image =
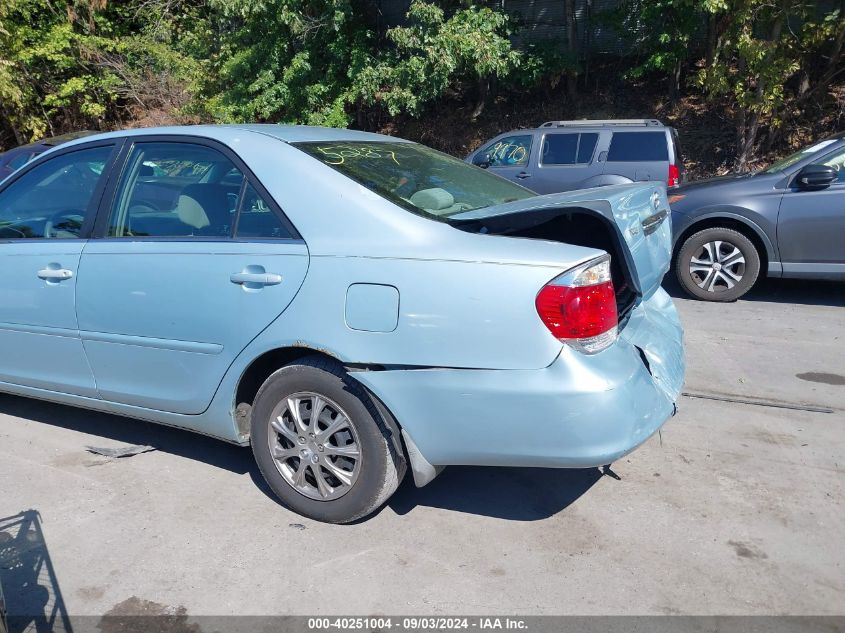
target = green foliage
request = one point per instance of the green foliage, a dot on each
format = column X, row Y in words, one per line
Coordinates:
column 543, row 64
column 101, row 63
column 434, row 53
column 286, row 60
column 75, row 67
column 659, row 30
column 756, row 57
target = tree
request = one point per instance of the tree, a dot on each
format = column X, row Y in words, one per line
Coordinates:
column 435, row 53
column 756, row 56
column 662, row 34
column 82, row 66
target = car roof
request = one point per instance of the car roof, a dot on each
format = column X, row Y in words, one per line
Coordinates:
column 229, row 133
column 608, row 123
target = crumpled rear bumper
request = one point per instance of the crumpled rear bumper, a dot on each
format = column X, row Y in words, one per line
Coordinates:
column 581, row 411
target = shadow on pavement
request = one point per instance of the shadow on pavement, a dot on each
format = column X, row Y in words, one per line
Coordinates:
column 33, row 599
column 519, row 494
column 515, row 494
column 171, row 440
column 797, row 291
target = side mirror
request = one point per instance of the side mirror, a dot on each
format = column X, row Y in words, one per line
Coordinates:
column 816, row 177
column 483, row 160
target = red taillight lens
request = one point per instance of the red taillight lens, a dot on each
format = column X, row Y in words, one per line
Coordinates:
column 579, row 308
column 674, row 176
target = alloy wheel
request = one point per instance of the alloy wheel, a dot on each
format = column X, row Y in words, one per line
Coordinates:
column 314, row 446
column 718, row 266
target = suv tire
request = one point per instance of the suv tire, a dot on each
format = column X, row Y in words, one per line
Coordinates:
column 717, row 264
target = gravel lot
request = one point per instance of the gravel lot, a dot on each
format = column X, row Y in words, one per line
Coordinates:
column 739, row 510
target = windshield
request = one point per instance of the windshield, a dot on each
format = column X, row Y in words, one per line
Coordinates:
column 416, row 177
column 783, row 163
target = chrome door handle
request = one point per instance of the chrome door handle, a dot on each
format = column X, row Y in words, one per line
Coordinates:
column 257, row 279
column 523, row 174
column 55, row 274
column 652, row 222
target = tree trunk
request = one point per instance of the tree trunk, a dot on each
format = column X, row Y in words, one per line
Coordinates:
column 483, row 91
column 20, row 139
column 710, row 55
column 832, row 68
column 746, row 149
column 572, row 46
column 750, row 127
column 675, row 82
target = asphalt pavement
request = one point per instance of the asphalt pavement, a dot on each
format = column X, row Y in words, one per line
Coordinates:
column 734, row 509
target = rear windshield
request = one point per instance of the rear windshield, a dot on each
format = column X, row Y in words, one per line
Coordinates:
column 415, row 177
column 626, row 147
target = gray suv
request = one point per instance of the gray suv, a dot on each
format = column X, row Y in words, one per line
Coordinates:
column 565, row 155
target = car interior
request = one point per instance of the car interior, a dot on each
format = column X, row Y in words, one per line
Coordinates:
column 179, row 191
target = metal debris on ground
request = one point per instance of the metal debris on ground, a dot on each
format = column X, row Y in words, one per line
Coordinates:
column 296, row 526
column 120, row 451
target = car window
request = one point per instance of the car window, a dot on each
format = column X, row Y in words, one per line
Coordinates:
column 176, row 190
column 508, row 151
column 53, row 199
column 257, row 219
column 20, row 160
column 569, row 148
column 801, row 154
column 415, row 177
column 628, row 147
column 837, row 161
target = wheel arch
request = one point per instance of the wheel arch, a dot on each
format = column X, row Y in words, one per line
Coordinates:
column 257, row 372
column 738, row 223
column 263, row 366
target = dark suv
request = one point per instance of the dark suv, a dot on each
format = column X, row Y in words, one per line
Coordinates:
column 565, row 155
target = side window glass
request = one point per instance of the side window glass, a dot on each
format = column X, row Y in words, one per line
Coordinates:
column 837, row 161
column 176, row 190
column 560, row 149
column 628, row 147
column 257, row 219
column 509, row 151
column 569, row 149
column 20, row 160
column 53, row 199
column 586, row 147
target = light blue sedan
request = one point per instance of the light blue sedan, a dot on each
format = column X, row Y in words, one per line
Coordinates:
column 347, row 303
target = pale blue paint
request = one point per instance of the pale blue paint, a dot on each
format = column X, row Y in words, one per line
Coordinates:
column 164, row 335
column 372, row 307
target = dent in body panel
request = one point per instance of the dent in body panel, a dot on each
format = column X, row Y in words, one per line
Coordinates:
column 580, row 411
column 454, row 314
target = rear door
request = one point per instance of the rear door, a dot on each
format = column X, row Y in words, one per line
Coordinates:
column 178, row 285
column 566, row 160
column 46, row 214
column 640, row 156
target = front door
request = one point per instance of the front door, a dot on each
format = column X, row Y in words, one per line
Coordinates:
column 195, row 261
column 45, row 214
column 509, row 157
column 811, row 227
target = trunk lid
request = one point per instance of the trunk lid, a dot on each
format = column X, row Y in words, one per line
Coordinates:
column 638, row 213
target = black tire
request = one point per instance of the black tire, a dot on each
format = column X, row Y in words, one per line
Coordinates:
column 700, row 245
column 380, row 468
